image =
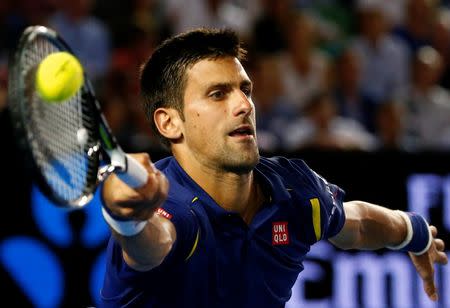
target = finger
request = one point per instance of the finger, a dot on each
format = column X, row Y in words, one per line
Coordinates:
column 123, row 191
column 425, row 269
column 150, row 188
column 145, row 161
column 430, row 288
column 162, row 189
column 120, row 192
column 136, row 199
column 156, row 189
column 440, row 245
column 427, row 274
column 142, row 158
column 433, row 231
column 441, row 258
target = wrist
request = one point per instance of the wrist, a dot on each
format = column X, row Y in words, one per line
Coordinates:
column 418, row 234
column 121, row 225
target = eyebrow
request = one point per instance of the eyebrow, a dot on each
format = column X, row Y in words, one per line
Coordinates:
column 228, row 85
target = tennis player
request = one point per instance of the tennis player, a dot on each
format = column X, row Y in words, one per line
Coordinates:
column 232, row 228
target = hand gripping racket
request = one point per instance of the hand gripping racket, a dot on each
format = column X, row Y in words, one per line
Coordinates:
column 69, row 144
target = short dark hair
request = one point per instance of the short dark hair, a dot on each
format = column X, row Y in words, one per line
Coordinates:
column 163, row 75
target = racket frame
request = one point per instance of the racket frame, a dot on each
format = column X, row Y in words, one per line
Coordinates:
column 106, row 145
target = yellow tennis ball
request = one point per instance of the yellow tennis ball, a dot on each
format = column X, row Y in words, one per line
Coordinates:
column 58, row 77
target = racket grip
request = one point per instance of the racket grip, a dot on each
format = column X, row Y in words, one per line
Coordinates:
column 136, row 175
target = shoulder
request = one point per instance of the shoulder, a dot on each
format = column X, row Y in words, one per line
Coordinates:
column 296, row 174
column 179, row 192
column 311, row 194
column 292, row 170
column 278, row 163
column 284, row 165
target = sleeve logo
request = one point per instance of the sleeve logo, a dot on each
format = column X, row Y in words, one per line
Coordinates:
column 163, row 213
column 280, row 234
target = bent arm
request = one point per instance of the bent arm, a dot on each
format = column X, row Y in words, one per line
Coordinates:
column 149, row 246
column 369, row 226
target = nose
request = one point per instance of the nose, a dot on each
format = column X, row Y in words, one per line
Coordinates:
column 244, row 105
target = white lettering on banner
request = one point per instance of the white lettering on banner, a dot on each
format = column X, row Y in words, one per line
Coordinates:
column 369, row 271
column 312, row 272
column 426, row 191
column 372, row 271
column 445, row 296
column 446, row 205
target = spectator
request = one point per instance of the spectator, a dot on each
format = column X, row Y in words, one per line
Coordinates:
column 352, row 102
column 270, row 28
column 306, row 69
column 10, row 28
column 140, row 43
column 87, row 35
column 390, row 127
column 385, row 59
column 238, row 15
column 273, row 113
column 440, row 40
column 122, row 109
column 151, row 17
column 415, row 31
column 428, row 104
column 322, row 128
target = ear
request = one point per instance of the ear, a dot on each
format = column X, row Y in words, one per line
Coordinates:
column 168, row 122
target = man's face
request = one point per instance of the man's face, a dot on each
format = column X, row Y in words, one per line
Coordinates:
column 219, row 127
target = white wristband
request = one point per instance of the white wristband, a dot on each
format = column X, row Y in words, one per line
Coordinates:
column 409, row 232
column 125, row 228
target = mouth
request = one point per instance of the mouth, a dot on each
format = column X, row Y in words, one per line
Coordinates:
column 243, row 131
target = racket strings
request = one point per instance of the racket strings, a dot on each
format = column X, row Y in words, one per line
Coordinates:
column 59, row 133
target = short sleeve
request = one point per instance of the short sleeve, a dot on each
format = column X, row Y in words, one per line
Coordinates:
column 123, row 283
column 334, row 210
column 331, row 206
column 330, row 197
column 186, row 226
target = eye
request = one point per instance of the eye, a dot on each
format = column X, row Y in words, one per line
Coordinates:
column 247, row 90
column 217, row 94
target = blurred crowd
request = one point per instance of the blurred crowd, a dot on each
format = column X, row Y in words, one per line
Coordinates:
column 367, row 75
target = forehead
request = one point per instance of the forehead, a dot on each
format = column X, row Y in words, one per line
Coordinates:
column 225, row 69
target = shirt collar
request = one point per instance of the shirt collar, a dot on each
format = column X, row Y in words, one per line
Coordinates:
column 270, row 181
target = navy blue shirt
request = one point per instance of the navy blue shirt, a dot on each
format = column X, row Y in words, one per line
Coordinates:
column 220, row 261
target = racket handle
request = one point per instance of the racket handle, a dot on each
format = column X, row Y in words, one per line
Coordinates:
column 136, row 175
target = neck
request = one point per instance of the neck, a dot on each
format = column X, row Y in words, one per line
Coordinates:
column 233, row 192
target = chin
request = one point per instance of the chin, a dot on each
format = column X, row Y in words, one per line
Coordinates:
column 242, row 165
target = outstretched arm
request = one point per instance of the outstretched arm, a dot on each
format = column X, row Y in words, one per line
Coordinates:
column 369, row 226
column 154, row 235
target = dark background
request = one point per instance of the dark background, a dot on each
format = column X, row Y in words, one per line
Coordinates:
column 378, row 177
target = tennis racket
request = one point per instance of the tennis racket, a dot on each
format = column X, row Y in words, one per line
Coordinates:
column 69, row 144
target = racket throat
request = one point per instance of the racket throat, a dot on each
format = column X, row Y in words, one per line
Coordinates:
column 118, row 163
